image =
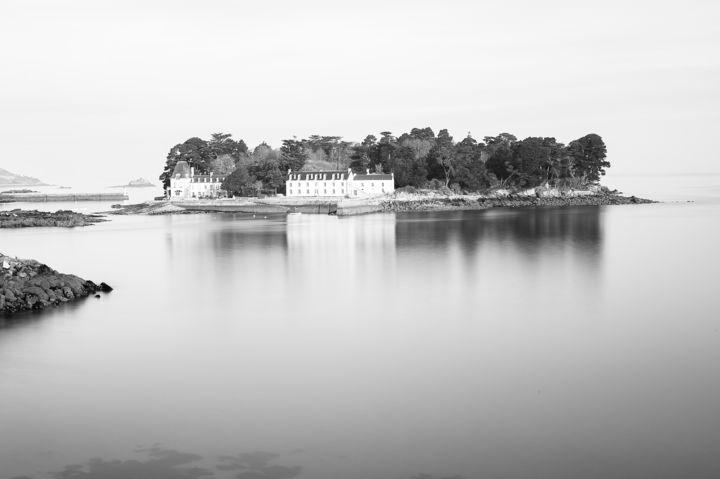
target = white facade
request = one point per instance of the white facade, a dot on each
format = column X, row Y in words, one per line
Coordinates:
column 338, row 184
column 186, row 185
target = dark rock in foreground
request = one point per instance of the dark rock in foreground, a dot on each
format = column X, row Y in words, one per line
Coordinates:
column 30, row 285
column 32, row 218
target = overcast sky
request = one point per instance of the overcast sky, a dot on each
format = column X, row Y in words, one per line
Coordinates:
column 100, row 91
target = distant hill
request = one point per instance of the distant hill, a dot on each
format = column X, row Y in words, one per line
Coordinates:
column 11, row 179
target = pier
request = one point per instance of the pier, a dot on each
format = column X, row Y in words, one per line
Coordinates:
column 46, row 197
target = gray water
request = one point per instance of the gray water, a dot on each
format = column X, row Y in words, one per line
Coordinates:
column 533, row 343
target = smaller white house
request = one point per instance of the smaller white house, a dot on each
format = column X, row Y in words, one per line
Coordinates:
column 186, row 185
column 372, row 184
column 338, row 183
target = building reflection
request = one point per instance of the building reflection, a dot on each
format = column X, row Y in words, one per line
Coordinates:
column 342, row 256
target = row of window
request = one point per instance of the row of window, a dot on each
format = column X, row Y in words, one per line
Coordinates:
column 307, row 192
column 307, row 184
column 208, row 180
column 319, row 176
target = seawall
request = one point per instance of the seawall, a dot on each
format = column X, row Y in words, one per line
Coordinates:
column 45, row 197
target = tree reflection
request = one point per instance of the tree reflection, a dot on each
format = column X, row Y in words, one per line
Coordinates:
column 529, row 230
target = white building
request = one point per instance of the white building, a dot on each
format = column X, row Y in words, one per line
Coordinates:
column 338, row 183
column 186, row 185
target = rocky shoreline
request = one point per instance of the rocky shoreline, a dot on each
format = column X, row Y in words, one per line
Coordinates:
column 33, row 218
column 400, row 201
column 28, row 285
column 439, row 203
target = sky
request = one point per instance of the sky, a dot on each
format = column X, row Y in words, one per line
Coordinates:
column 99, row 91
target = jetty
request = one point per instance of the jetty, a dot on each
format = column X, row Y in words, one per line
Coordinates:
column 46, row 197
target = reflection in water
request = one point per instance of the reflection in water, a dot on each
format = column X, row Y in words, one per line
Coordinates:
column 528, row 231
column 257, row 465
column 502, row 343
column 339, row 257
column 162, row 464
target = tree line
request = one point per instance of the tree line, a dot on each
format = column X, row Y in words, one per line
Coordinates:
column 419, row 158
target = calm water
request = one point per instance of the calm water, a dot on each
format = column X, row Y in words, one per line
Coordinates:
column 538, row 343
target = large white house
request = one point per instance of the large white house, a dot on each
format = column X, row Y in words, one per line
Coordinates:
column 338, row 183
column 186, row 185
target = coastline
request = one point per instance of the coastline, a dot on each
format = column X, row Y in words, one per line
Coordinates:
column 28, row 285
column 400, row 201
column 474, row 202
column 18, row 218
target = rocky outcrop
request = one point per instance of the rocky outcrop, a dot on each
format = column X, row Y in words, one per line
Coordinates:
column 63, row 218
column 30, row 285
column 508, row 199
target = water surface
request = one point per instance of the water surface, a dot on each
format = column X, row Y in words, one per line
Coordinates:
column 543, row 343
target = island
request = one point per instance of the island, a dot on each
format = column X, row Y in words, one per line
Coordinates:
column 138, row 183
column 417, row 170
column 18, row 218
column 27, row 285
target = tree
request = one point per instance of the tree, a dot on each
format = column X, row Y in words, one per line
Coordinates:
column 364, row 154
column 421, row 140
column 193, row 150
column 223, row 164
column 268, row 171
column 222, row 144
column 292, row 155
column 586, row 157
column 238, row 181
column 470, row 171
column 532, row 159
column 441, row 159
column 500, row 161
column 408, row 169
column 385, row 149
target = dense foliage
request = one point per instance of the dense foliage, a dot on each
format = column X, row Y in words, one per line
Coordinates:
column 419, row 158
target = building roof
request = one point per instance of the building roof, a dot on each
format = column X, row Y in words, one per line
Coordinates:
column 182, row 170
column 374, row 177
column 318, row 175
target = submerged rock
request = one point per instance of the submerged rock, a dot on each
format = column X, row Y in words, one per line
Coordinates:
column 30, row 285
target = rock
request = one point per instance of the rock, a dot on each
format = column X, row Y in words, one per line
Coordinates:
column 105, row 288
column 97, row 296
column 37, row 291
column 29, row 284
column 61, row 218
